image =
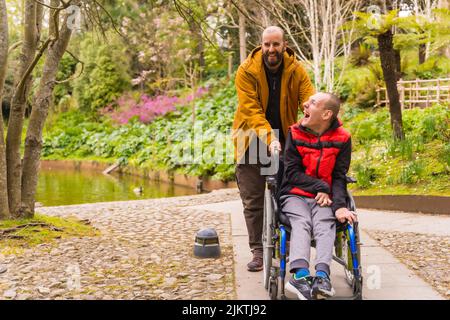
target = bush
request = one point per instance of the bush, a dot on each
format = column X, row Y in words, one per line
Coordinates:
column 156, row 145
column 412, row 172
column 365, row 175
column 105, row 74
column 360, row 56
column 359, row 86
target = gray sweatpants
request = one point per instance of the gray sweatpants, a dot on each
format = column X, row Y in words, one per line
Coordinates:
column 309, row 221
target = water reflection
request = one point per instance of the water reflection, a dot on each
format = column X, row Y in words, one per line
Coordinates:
column 64, row 187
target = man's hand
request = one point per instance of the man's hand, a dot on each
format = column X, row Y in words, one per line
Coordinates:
column 323, row 199
column 275, row 144
column 343, row 214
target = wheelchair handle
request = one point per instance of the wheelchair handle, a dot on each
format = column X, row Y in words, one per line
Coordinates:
column 276, row 154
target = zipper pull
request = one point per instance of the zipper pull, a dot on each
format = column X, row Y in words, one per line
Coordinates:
column 274, row 82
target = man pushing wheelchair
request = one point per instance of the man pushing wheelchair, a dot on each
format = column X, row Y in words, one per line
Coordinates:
column 271, row 85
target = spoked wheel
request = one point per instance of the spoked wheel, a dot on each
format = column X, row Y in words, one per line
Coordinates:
column 267, row 238
column 354, row 282
column 347, row 257
column 357, row 288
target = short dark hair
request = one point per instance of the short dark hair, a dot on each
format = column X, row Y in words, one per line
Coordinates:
column 333, row 104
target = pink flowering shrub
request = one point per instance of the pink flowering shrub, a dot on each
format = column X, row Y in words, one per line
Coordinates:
column 146, row 108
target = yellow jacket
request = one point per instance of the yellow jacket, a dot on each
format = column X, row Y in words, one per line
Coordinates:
column 253, row 95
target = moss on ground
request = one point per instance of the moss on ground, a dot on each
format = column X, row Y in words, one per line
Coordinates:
column 39, row 230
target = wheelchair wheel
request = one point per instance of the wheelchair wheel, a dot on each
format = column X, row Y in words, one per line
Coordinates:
column 273, row 288
column 347, row 257
column 353, row 282
column 267, row 238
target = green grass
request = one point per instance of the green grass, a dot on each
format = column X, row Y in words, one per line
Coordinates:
column 420, row 164
column 34, row 235
column 433, row 187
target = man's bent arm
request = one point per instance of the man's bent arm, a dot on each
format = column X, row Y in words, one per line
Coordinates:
column 250, row 108
column 339, row 185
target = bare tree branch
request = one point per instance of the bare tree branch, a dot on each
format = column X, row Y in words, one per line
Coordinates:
column 74, row 76
column 14, row 46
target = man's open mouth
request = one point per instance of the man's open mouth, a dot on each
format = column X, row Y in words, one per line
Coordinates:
column 306, row 114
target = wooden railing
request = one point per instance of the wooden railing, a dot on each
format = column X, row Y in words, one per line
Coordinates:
column 418, row 93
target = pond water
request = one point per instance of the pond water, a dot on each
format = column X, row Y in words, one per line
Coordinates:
column 63, row 187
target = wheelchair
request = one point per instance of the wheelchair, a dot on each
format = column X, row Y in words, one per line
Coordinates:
column 276, row 231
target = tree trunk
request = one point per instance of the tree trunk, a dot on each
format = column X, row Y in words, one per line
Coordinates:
column 201, row 55
column 422, row 52
column 230, row 57
column 18, row 104
column 388, row 64
column 445, row 4
column 33, row 141
column 196, row 32
column 242, row 40
column 4, row 207
column 398, row 64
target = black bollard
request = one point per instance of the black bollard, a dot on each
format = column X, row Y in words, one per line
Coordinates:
column 207, row 244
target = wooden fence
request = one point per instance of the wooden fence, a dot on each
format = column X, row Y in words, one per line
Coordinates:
column 418, row 93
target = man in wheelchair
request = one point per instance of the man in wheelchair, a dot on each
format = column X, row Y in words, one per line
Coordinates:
column 313, row 192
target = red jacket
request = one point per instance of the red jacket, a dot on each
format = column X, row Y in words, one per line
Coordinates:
column 315, row 164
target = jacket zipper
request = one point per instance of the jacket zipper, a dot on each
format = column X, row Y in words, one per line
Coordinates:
column 320, row 157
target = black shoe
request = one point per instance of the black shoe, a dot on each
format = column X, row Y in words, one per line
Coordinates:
column 322, row 288
column 301, row 287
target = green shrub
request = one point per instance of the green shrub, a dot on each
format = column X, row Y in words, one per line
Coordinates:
column 105, row 74
column 412, row 172
column 445, row 155
column 365, row 175
column 361, row 56
column 400, row 148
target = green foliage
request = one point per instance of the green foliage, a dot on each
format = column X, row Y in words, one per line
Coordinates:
column 166, row 143
column 66, row 69
column 360, row 56
column 420, row 161
column 365, row 175
column 373, row 127
column 412, row 172
column 42, row 229
column 105, row 74
column 375, row 24
column 444, row 155
column 432, row 68
column 359, row 84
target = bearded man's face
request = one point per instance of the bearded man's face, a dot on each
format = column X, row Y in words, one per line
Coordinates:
column 273, row 48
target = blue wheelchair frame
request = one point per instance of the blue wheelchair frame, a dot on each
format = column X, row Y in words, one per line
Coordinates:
column 277, row 245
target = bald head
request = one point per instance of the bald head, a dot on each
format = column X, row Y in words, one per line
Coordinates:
column 273, row 29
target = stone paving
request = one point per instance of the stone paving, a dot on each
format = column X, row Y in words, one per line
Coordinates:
column 145, row 251
column 426, row 254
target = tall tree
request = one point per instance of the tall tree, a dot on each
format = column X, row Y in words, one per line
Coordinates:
column 242, row 40
column 4, row 205
column 389, row 66
column 380, row 26
column 43, row 98
column 33, row 12
column 18, row 178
